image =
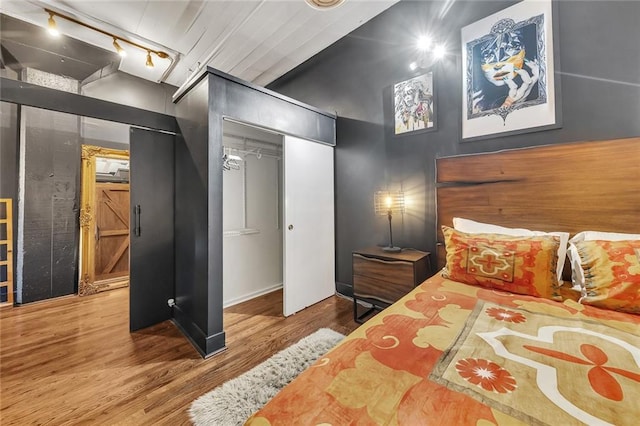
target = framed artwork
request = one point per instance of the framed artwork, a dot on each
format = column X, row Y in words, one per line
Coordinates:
column 508, row 72
column 414, row 105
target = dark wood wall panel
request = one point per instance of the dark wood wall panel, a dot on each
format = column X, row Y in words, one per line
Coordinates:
column 568, row 187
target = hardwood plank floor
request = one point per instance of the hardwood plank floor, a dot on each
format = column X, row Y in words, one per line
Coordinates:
column 72, row 360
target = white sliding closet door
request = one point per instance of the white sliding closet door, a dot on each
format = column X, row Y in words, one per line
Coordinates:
column 309, row 245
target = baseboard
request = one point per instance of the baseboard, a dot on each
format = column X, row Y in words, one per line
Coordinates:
column 249, row 296
column 205, row 345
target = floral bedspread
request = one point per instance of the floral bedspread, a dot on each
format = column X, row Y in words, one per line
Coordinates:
column 454, row 354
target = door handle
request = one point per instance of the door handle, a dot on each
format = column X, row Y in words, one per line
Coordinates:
column 137, row 230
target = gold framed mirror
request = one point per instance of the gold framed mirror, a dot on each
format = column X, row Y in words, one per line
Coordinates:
column 104, row 225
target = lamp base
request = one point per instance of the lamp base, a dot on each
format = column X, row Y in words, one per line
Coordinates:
column 390, row 249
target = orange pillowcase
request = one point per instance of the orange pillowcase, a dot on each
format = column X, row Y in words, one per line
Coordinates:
column 612, row 274
column 524, row 265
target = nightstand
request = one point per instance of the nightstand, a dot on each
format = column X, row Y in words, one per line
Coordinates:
column 380, row 278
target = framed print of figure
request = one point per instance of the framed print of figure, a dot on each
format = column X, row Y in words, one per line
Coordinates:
column 508, row 72
column 414, row 105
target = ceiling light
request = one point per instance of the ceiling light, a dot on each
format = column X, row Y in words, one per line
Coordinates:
column 413, row 66
column 119, row 48
column 424, row 43
column 324, row 4
column 53, row 27
column 149, row 63
column 439, row 51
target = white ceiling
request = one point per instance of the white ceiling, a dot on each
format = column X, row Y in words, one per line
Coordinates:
column 255, row 40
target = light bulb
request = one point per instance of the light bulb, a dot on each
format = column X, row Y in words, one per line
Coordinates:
column 439, row 51
column 53, row 28
column 119, row 48
column 424, row 43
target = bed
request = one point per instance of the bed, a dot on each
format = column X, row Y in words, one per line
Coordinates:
column 524, row 344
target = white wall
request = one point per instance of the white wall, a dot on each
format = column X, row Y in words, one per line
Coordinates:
column 252, row 254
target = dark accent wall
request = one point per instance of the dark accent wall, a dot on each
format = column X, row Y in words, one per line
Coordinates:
column 199, row 113
column 600, row 84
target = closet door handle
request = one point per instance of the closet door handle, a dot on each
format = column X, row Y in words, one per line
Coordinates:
column 137, row 230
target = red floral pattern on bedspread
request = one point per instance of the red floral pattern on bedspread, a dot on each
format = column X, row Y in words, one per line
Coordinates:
column 506, row 315
column 486, row 374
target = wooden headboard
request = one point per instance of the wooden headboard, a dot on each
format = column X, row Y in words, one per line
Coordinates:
column 567, row 187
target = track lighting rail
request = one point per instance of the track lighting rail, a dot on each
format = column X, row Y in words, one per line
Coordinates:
column 116, row 38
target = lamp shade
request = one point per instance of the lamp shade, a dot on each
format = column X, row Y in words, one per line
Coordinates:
column 388, row 201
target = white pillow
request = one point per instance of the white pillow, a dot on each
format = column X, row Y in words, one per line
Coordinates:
column 472, row 227
column 577, row 273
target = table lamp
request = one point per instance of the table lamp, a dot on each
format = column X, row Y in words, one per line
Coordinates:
column 387, row 203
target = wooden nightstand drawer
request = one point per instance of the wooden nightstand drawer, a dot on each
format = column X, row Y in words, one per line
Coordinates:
column 393, row 271
column 382, row 277
column 384, row 291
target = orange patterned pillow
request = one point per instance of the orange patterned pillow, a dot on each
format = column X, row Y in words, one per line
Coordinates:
column 524, row 265
column 612, row 274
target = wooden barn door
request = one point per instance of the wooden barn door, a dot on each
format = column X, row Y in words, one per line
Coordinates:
column 112, row 233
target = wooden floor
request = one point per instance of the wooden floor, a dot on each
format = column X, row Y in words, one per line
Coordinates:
column 72, row 360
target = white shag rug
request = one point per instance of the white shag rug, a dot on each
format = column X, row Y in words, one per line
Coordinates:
column 235, row 401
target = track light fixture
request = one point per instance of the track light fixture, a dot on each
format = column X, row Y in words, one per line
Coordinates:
column 53, row 27
column 149, row 63
column 119, row 48
column 53, row 30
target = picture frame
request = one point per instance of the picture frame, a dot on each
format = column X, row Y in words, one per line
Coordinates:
column 508, row 81
column 415, row 104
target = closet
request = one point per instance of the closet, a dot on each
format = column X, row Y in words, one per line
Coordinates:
column 205, row 106
column 270, row 180
column 252, row 207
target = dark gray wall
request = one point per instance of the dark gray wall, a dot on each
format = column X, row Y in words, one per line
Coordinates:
column 598, row 70
column 200, row 112
column 191, row 221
